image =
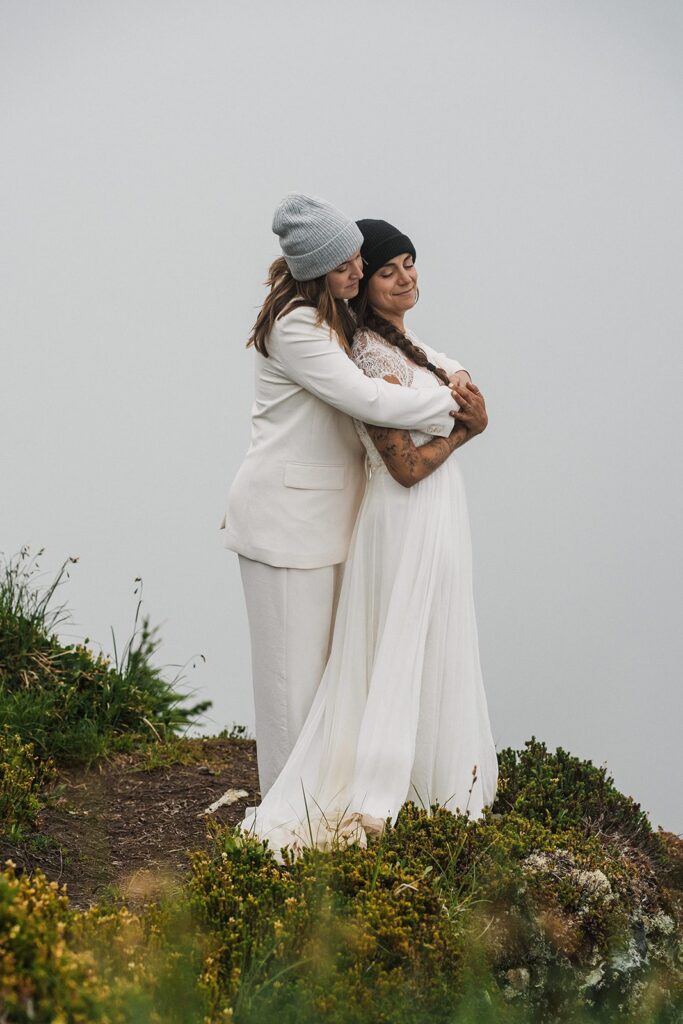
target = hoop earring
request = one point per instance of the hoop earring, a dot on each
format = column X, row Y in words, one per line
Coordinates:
column 417, row 296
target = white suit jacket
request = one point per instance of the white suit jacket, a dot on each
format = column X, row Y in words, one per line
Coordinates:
column 296, row 495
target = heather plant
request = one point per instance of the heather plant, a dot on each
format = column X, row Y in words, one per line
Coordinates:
column 69, row 702
column 102, row 965
column 23, row 780
column 340, row 936
column 39, row 971
column 442, row 919
column 561, row 791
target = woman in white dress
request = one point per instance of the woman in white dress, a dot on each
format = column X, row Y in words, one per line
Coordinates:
column 401, row 712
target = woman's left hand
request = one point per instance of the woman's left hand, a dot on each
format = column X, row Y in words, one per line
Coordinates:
column 472, row 412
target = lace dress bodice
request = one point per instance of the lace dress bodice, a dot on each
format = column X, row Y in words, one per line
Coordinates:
column 379, row 358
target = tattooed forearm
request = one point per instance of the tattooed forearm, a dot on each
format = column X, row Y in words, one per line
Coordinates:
column 407, row 462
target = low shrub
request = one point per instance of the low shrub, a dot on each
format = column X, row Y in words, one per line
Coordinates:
column 23, row 780
column 109, row 966
column 340, row 937
column 442, row 919
column 40, row 974
column 562, row 791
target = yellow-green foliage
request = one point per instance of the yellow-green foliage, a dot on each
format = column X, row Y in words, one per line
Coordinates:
column 333, row 932
column 515, row 918
column 22, row 778
column 41, row 977
column 114, row 967
column 563, row 791
column 441, row 908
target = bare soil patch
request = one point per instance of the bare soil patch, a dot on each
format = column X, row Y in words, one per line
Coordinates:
column 123, row 828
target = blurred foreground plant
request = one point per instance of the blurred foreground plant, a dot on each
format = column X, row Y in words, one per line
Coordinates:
column 102, row 965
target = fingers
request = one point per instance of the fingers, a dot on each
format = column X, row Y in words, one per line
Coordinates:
column 470, row 399
column 456, row 383
column 467, row 386
column 470, row 412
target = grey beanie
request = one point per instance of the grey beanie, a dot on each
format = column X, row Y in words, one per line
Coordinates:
column 315, row 237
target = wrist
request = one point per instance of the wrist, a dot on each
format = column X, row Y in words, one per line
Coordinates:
column 457, row 437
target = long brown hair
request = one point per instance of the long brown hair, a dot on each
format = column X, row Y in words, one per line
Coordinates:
column 287, row 294
column 369, row 318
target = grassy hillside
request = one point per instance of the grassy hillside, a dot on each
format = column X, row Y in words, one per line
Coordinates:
column 67, row 701
column 560, row 904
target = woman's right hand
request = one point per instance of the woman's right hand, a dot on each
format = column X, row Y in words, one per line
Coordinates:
column 472, row 414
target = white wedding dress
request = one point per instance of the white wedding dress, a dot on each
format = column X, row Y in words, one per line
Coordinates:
column 401, row 712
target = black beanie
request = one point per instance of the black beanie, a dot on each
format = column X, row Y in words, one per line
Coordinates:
column 381, row 242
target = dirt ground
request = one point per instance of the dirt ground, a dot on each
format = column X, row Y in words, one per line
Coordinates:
column 122, row 829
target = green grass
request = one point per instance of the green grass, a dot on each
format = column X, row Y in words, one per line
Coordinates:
column 69, row 702
column 175, row 750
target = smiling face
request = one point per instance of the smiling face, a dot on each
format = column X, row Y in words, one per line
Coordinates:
column 393, row 288
column 344, row 280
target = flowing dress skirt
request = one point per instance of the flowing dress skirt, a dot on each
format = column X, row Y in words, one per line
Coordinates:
column 400, row 713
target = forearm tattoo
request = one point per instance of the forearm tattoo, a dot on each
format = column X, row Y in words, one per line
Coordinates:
column 407, row 462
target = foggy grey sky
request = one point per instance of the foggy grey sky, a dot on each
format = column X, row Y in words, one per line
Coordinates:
column 532, row 150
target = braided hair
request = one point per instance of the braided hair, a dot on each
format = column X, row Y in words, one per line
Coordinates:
column 369, row 318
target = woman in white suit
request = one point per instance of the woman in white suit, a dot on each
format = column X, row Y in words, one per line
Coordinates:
column 294, row 501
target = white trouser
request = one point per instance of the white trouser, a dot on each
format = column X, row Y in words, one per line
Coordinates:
column 291, row 614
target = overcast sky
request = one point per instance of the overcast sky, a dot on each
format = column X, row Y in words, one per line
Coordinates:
column 533, row 152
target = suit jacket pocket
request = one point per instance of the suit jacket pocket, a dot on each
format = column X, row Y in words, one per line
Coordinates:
column 314, row 478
